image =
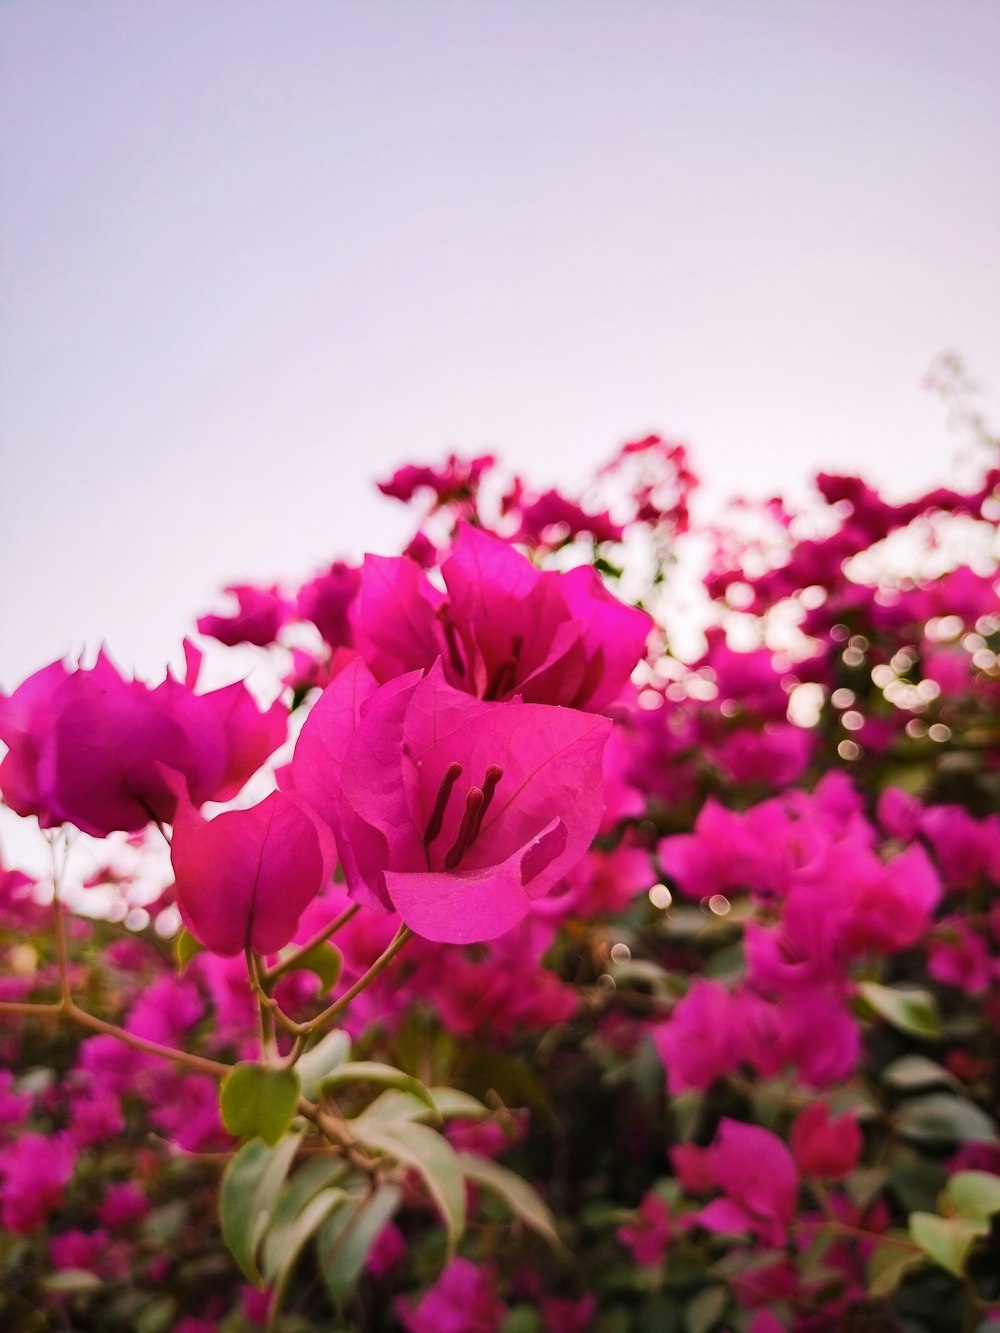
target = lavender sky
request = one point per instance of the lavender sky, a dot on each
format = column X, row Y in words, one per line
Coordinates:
column 253, row 255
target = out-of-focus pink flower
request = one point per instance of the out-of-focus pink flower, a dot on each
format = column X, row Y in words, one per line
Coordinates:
column 567, row 1315
column 949, row 668
column 245, row 877
column 455, row 812
column 256, row 1304
column 552, row 510
column 965, row 848
column 462, row 1300
column 648, row 1236
column 388, row 1251
column 505, row 627
column 766, row 1321
column 96, row 1117
column 78, row 1249
column 711, row 859
column 775, row 756
column 259, row 616
column 693, row 1167
column 326, row 601
column 825, row 1147
column 959, row 957
column 123, row 1204
column 457, row 479
column 899, row 813
column 88, row 747
column 819, row 1063
column 699, row 1041
column 15, row 1107
column 757, row 1173
column 34, row 1170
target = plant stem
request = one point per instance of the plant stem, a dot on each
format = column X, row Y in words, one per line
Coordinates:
column 287, row 964
column 326, row 1019
column 68, row 1008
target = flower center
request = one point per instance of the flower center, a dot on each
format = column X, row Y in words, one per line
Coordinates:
column 505, row 674
column 451, row 640
column 477, row 802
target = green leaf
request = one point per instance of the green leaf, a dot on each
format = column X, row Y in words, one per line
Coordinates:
column 641, row 972
column 315, row 1176
column 325, row 960
column 522, row 1319
column 370, row 1071
column 389, row 1107
column 436, row 1161
column 346, row 1237
column 319, row 1060
column 974, row 1195
column 523, row 1201
column 916, row 1071
column 73, row 1282
column 185, row 948
column 865, row 1184
column 941, row 1117
column 250, row 1187
column 452, row 1104
column 810, row 1263
column 946, row 1240
column 510, row 1078
column 908, row 1009
column 889, row 1263
column 254, row 1099
column 286, row 1247
column 706, row 1309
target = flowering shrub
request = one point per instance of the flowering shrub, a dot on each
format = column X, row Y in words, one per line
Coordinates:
column 547, row 968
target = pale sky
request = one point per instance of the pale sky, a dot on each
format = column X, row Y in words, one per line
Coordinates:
column 253, row 255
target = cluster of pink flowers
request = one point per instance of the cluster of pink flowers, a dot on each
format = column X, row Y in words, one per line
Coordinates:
column 723, row 931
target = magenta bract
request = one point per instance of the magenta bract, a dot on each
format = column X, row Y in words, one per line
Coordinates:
column 90, row 748
column 260, row 614
column 245, row 877
column 505, row 627
column 454, row 812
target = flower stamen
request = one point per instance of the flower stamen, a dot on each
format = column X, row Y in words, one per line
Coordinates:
column 434, row 825
column 469, row 827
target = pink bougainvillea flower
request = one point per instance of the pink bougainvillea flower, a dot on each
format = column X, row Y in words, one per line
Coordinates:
column 694, row 1170
column 245, row 877
column 757, row 1173
column 326, row 601
column 899, row 813
column 463, row 1300
column 457, row 478
column 648, row 1236
column 454, row 812
column 505, row 628
column 15, row 1107
column 819, row 1063
column 700, row 1039
column 553, row 510
column 825, row 1147
column 78, row 1249
column 259, row 616
column 34, row 1171
column 965, row 848
column 568, row 1315
column 123, row 1205
column 78, row 742
column 90, row 748
column 960, row 957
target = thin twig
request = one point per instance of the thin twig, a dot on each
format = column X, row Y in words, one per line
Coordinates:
column 271, row 975
column 326, row 1018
